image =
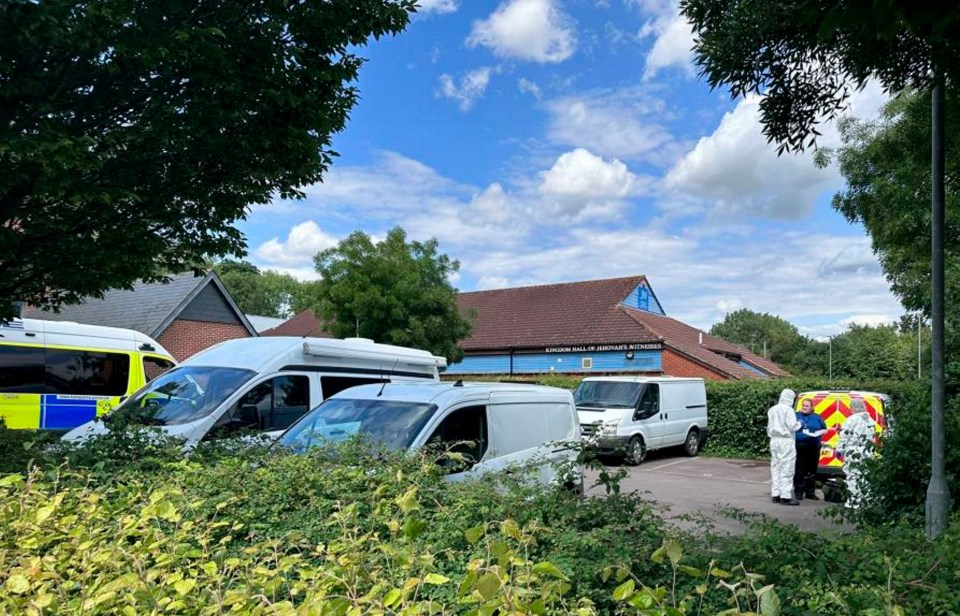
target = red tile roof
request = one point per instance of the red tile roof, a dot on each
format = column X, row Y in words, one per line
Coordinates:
column 303, row 324
column 591, row 312
column 553, row 315
column 686, row 339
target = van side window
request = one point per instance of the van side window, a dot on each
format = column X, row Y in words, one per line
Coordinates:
column 155, row 366
column 271, row 405
column 649, row 404
column 331, row 385
column 87, row 373
column 21, row 369
column 463, row 431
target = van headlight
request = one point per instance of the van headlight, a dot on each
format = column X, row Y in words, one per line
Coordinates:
column 609, row 428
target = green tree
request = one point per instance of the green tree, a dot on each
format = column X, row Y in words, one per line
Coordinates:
column 807, row 56
column 886, row 162
column 865, row 353
column 394, row 291
column 266, row 293
column 135, row 134
column 758, row 331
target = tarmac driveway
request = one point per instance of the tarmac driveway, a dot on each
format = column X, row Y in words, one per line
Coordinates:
column 702, row 485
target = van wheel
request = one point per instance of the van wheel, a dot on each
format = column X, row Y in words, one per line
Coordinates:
column 636, row 452
column 691, row 446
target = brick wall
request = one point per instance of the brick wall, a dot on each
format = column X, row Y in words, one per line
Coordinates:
column 675, row 364
column 184, row 338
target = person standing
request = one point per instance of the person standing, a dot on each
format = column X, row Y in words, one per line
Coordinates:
column 855, row 446
column 782, row 425
column 812, row 428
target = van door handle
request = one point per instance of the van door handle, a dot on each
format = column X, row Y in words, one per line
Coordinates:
column 666, row 415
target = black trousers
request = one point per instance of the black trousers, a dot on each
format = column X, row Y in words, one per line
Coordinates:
column 808, row 459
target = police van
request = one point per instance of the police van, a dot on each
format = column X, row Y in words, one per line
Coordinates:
column 57, row 375
column 262, row 385
column 835, row 407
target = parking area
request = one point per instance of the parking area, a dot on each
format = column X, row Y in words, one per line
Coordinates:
column 684, row 486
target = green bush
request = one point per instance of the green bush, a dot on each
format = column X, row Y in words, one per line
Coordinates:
column 738, row 409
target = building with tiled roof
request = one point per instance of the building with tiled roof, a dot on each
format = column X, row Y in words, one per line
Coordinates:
column 607, row 326
column 186, row 315
column 303, row 324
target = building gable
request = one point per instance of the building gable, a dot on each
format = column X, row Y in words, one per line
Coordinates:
column 210, row 306
column 643, row 298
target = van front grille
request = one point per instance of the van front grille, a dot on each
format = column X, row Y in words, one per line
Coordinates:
column 588, row 429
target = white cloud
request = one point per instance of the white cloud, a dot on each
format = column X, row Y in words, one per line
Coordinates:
column 622, row 123
column 533, row 30
column 583, row 175
column 437, row 6
column 470, row 88
column 528, row 87
column 672, row 45
column 735, row 171
column 739, row 172
column 303, row 242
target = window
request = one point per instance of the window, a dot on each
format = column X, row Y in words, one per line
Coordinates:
column 463, row 431
column 21, row 369
column 649, row 404
column 278, row 403
column 392, row 423
column 155, row 366
column 586, row 363
column 87, row 373
column 335, row 384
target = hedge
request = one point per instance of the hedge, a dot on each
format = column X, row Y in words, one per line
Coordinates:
column 738, row 409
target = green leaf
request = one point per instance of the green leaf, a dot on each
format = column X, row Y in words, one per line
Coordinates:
column 624, row 591
column 510, row 528
column 549, row 569
column 11, row 480
column 43, row 513
column 183, row 587
column 413, row 527
column 769, row 602
column 487, row 585
column 474, row 534
column 408, row 500
column 18, row 584
column 435, row 579
column 674, row 551
column 392, row 597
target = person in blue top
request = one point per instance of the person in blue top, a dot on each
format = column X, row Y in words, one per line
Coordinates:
column 812, row 427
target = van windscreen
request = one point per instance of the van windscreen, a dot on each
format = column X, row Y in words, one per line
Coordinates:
column 392, row 423
column 183, row 395
column 601, row 395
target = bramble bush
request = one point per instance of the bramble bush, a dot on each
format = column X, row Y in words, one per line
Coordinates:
column 350, row 530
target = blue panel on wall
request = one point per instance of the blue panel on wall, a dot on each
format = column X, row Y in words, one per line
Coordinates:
column 540, row 363
column 642, row 298
column 752, row 367
column 481, row 364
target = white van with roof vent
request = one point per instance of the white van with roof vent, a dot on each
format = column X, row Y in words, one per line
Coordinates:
column 629, row 416
column 263, row 385
column 494, row 427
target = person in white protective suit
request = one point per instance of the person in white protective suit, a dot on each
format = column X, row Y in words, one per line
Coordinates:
column 782, row 426
column 855, row 446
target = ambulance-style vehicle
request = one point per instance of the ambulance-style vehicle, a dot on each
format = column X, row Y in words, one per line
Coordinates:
column 834, row 407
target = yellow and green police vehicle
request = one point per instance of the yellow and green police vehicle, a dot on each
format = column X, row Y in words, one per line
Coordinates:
column 57, row 375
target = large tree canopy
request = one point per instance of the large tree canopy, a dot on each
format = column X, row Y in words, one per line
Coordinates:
column 135, row 133
column 886, row 165
column 806, row 56
column 394, row 291
column 761, row 332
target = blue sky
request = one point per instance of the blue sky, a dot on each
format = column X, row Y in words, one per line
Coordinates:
column 557, row 140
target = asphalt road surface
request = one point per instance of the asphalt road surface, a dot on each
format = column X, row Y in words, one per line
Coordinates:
column 692, row 486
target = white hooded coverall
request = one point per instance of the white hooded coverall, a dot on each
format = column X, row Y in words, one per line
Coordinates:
column 855, row 444
column 782, row 426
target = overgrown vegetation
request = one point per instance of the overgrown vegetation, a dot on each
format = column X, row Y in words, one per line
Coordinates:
column 240, row 528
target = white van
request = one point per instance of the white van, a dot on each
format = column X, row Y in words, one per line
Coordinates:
column 629, row 416
column 57, row 375
column 495, row 427
column 263, row 385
